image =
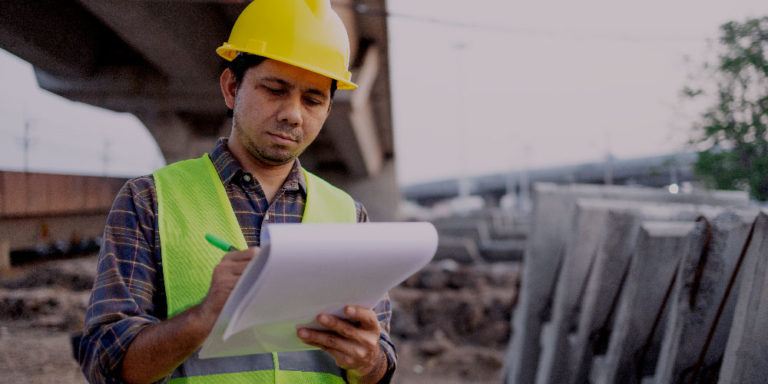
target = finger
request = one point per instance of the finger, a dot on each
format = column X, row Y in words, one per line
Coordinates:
column 331, row 341
column 359, row 364
column 367, row 338
column 228, row 268
column 343, row 360
column 340, row 326
column 235, row 269
column 365, row 316
column 244, row 255
column 229, row 281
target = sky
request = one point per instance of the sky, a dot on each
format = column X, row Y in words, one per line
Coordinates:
column 478, row 87
column 65, row 136
column 533, row 84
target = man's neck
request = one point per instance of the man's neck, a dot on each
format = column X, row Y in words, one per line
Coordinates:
column 270, row 177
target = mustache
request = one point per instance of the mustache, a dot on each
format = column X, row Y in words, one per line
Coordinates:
column 295, row 134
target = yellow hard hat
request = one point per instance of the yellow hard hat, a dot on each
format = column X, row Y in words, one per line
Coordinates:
column 305, row 33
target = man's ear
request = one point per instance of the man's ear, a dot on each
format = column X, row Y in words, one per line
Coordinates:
column 228, row 84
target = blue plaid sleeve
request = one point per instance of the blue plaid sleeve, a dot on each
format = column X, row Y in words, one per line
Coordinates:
column 121, row 302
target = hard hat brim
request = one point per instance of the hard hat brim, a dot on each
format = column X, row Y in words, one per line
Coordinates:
column 228, row 52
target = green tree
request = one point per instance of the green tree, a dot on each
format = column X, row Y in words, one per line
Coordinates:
column 731, row 134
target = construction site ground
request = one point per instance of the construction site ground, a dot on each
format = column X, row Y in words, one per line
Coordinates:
column 450, row 323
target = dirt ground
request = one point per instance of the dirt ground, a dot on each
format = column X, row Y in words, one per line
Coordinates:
column 42, row 304
column 31, row 355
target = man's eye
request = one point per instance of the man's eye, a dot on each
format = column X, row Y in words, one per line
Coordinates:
column 275, row 91
column 312, row 101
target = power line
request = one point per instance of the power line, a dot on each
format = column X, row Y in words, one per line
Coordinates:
column 363, row 9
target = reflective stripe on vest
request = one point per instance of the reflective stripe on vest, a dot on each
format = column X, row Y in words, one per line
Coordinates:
column 304, row 361
column 191, row 202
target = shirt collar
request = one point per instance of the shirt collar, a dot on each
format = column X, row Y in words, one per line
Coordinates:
column 230, row 170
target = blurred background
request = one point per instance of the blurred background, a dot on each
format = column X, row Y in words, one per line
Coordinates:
column 462, row 107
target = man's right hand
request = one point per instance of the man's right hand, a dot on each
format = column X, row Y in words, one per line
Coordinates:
column 159, row 348
column 223, row 281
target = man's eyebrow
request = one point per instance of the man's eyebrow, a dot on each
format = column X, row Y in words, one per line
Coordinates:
column 313, row 91
column 317, row 92
column 277, row 80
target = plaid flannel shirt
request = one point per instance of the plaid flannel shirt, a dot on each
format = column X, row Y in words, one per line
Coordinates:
column 128, row 294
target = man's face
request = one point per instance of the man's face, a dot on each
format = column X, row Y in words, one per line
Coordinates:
column 279, row 110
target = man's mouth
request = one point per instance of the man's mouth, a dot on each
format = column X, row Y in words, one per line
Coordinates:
column 283, row 137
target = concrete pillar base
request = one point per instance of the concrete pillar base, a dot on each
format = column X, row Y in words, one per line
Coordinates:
column 379, row 193
column 177, row 139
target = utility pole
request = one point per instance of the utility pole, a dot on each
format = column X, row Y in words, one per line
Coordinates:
column 608, row 169
column 608, row 166
column 106, row 156
column 461, row 150
column 524, row 198
column 26, row 143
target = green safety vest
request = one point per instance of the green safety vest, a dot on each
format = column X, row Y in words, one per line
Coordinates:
column 192, row 201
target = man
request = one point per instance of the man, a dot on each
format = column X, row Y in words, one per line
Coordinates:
column 159, row 290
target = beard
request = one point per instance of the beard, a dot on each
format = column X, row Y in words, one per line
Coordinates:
column 266, row 154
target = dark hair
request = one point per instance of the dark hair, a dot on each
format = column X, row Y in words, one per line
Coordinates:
column 243, row 61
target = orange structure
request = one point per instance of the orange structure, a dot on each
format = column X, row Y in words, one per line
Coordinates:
column 38, row 208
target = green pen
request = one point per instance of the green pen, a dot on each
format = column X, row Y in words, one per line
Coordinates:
column 220, row 243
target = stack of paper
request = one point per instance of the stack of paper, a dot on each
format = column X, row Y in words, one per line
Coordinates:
column 303, row 270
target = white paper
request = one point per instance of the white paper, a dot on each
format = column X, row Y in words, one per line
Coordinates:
column 303, row 270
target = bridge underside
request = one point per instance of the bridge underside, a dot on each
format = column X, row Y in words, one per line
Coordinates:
column 156, row 59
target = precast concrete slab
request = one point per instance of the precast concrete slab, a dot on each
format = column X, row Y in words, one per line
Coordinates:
column 590, row 277
column 604, row 280
column 460, row 249
column 657, row 253
column 746, row 353
column 595, row 231
column 509, row 225
column 551, row 220
column 502, row 250
column 479, row 231
column 458, row 219
column 702, row 280
column 476, row 229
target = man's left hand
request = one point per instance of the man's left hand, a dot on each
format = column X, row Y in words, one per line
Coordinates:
column 353, row 343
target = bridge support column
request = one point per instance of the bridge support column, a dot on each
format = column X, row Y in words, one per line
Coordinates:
column 180, row 139
column 379, row 192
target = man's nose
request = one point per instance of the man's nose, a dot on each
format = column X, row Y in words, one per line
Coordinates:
column 290, row 111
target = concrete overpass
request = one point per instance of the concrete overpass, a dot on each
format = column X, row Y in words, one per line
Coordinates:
column 156, row 59
column 653, row 171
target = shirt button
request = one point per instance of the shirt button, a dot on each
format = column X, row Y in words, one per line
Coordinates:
column 247, row 177
column 266, row 217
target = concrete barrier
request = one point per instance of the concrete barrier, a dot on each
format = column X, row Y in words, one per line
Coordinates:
column 481, row 231
column 554, row 208
column 701, row 283
column 591, row 227
column 746, row 354
column 640, row 308
column 460, row 249
column 605, row 279
column 598, row 252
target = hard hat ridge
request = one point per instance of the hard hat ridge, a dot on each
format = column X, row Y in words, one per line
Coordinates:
column 304, row 33
column 318, row 6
